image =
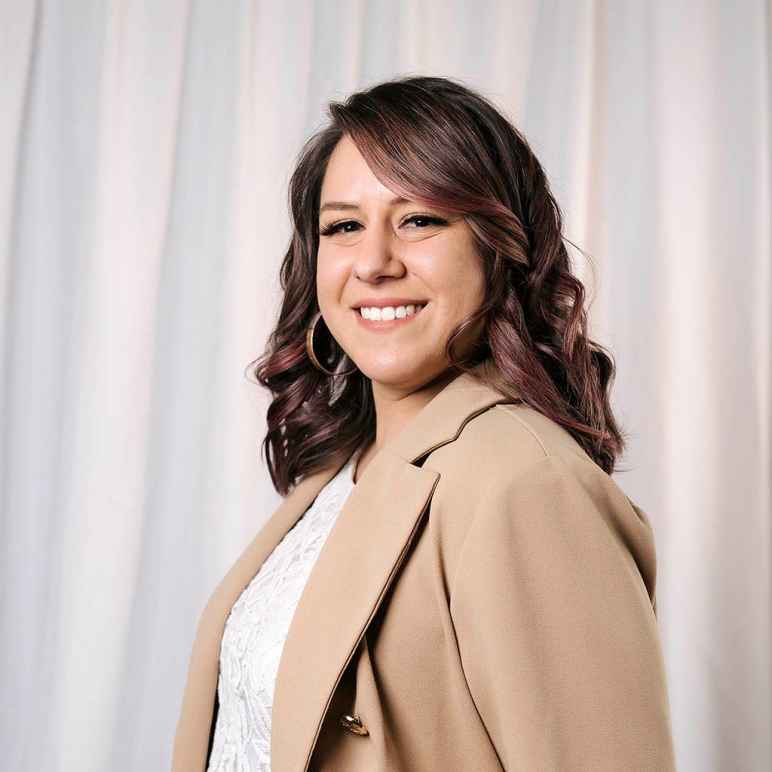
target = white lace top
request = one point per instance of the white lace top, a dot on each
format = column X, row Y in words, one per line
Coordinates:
column 255, row 630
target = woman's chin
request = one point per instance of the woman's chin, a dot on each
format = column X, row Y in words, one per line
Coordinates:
column 401, row 372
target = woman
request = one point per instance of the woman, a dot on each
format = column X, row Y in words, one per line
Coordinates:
column 453, row 580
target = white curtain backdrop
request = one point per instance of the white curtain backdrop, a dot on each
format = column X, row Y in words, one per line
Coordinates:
column 145, row 150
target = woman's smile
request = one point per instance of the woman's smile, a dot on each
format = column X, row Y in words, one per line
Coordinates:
column 386, row 317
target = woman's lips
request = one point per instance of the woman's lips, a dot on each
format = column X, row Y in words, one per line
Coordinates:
column 385, row 325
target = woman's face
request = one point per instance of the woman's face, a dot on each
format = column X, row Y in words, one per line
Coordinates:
column 388, row 255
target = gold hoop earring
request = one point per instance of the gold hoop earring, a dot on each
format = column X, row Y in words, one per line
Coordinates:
column 312, row 354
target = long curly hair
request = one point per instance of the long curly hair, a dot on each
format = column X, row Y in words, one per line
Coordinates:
column 438, row 142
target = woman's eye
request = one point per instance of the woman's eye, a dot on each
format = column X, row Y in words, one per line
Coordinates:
column 425, row 218
column 416, row 218
column 335, row 227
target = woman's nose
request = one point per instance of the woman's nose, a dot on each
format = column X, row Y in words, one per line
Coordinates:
column 378, row 255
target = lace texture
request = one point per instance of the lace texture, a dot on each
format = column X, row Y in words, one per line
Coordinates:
column 255, row 631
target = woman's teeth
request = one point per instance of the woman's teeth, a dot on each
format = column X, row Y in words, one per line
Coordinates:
column 387, row 313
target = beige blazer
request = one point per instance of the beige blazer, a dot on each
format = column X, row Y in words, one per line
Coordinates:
column 485, row 601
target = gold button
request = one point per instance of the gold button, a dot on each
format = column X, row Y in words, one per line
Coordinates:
column 353, row 724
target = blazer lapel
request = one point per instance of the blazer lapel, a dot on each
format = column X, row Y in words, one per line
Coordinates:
column 360, row 559
column 360, row 556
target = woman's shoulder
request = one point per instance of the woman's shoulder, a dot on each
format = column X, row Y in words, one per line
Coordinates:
column 512, row 458
column 505, row 441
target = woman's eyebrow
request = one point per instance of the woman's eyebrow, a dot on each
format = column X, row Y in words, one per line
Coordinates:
column 350, row 205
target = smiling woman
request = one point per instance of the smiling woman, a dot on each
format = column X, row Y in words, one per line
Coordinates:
column 453, row 580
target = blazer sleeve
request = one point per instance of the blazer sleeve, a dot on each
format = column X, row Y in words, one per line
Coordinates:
column 553, row 607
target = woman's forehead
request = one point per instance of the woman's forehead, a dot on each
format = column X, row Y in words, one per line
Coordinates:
column 349, row 178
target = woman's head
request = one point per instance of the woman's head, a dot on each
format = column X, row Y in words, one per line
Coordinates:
column 419, row 189
column 378, row 251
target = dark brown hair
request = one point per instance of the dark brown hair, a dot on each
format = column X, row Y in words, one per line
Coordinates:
column 438, row 142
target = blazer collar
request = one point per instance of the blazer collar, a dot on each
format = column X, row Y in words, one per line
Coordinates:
column 442, row 418
column 361, row 556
